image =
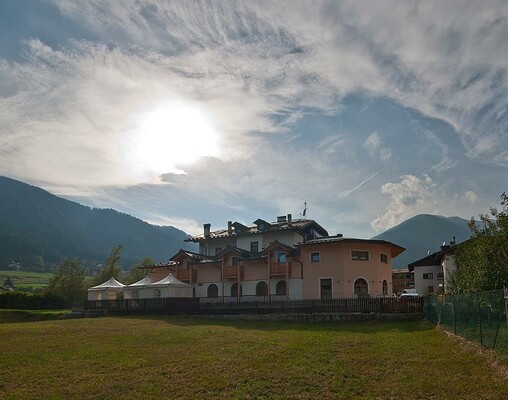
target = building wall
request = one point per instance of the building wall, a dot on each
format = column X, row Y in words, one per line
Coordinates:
column 427, row 286
column 336, row 263
column 449, row 267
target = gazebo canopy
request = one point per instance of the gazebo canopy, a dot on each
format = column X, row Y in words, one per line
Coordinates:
column 112, row 283
column 170, row 280
column 143, row 282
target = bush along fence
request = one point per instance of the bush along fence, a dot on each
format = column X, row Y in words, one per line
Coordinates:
column 478, row 317
column 193, row 306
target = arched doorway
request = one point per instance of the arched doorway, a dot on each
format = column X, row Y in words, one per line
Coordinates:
column 262, row 289
column 212, row 291
column 361, row 288
column 280, row 288
column 234, row 290
column 385, row 287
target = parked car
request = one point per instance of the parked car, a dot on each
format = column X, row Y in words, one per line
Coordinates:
column 409, row 293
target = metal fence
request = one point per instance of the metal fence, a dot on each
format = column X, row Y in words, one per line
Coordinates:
column 478, row 317
column 194, row 307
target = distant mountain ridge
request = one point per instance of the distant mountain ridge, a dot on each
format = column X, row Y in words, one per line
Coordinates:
column 36, row 224
column 423, row 233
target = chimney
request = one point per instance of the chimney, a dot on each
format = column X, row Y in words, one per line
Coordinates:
column 281, row 218
column 290, row 219
column 453, row 242
column 207, row 230
column 230, row 228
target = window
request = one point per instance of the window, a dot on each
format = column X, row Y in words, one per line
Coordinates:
column 212, row 291
column 384, row 258
column 360, row 255
column 262, row 289
column 281, row 257
column 428, row 275
column 157, row 293
column 254, row 247
column 385, row 287
column 280, row 288
column 361, row 288
column 234, row 290
column 314, row 257
column 325, row 288
column 135, row 294
column 218, row 250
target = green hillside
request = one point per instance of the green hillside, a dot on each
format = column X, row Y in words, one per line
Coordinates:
column 37, row 227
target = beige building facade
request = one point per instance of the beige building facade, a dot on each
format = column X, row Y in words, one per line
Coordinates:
column 283, row 260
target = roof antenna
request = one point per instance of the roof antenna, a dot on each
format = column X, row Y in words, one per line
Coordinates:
column 304, row 213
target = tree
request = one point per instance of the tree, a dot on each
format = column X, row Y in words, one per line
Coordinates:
column 136, row 273
column 482, row 262
column 68, row 282
column 111, row 267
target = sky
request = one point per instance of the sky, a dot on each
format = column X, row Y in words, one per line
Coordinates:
column 190, row 112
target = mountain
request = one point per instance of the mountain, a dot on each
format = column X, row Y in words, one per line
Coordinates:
column 37, row 227
column 423, row 233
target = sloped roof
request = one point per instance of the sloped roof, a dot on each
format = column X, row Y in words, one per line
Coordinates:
column 435, row 258
column 112, row 283
column 170, row 280
column 395, row 249
column 294, row 225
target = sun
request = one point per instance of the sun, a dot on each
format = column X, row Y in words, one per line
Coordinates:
column 169, row 136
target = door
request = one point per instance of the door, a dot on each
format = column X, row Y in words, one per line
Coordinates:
column 325, row 288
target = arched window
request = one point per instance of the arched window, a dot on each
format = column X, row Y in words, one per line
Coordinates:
column 280, row 288
column 385, row 287
column 212, row 291
column 361, row 288
column 262, row 289
column 135, row 294
column 157, row 293
column 234, row 290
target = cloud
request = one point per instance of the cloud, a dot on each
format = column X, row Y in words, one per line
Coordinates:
column 471, row 196
column 375, row 145
column 410, row 196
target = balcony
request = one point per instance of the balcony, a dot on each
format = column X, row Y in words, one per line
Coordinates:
column 184, row 275
column 279, row 269
column 231, row 272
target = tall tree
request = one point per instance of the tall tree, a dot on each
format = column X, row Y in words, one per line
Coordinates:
column 68, row 282
column 136, row 273
column 482, row 262
column 111, row 267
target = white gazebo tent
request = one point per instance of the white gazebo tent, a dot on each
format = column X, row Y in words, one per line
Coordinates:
column 108, row 290
column 139, row 290
column 170, row 287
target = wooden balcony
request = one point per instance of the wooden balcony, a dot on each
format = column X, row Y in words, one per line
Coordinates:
column 279, row 269
column 184, row 275
column 231, row 272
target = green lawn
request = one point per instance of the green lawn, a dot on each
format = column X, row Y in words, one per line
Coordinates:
column 25, row 279
column 181, row 358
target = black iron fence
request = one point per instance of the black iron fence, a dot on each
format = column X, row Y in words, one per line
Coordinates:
column 192, row 306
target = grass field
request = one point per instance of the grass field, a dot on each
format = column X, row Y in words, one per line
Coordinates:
column 24, row 279
column 181, row 358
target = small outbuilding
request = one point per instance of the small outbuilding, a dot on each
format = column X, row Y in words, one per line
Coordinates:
column 108, row 290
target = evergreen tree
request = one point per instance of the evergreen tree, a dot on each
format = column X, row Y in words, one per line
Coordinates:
column 136, row 273
column 111, row 268
column 68, row 282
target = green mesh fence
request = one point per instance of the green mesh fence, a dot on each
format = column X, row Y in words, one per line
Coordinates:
column 479, row 317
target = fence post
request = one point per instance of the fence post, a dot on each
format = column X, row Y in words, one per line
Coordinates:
column 454, row 316
column 479, row 318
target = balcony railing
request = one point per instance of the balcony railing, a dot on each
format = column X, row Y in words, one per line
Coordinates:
column 231, row 272
column 279, row 269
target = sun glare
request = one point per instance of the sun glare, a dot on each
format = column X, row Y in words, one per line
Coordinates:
column 169, row 136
